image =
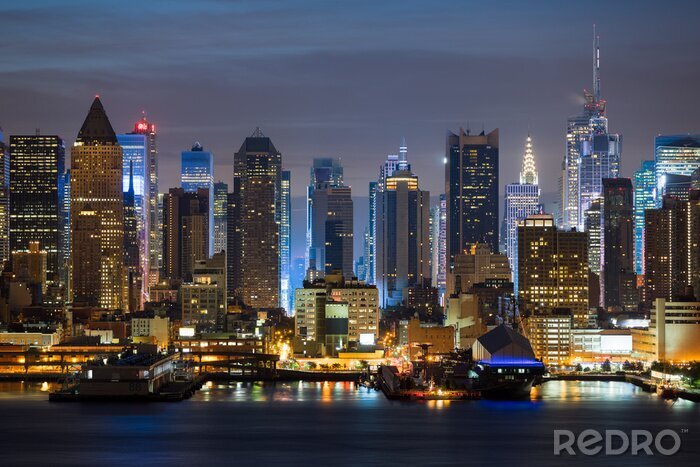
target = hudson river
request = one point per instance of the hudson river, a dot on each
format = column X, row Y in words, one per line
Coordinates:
column 333, row 424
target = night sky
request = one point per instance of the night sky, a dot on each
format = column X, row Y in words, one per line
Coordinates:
column 350, row 78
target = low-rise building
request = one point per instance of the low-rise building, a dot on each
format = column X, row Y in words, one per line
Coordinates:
column 439, row 339
column 550, row 336
column 154, row 330
column 463, row 314
column 36, row 339
column 673, row 334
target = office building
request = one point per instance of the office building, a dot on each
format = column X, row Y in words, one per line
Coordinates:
column 592, row 226
column 37, row 170
column 132, row 251
column 403, row 245
column 204, row 297
column 258, row 167
column 550, row 336
column 65, row 237
column 233, row 245
column 185, row 232
column 617, row 242
column 476, row 265
column 674, row 155
column 197, row 172
column 285, row 248
column 371, row 248
column 644, row 198
column 553, row 268
column 4, row 202
column 154, row 232
column 673, row 334
column 464, row 315
column 522, row 199
column 220, row 216
column 439, row 246
column 440, row 339
column 97, row 211
column 471, row 191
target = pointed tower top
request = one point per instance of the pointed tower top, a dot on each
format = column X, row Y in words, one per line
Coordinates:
column 257, row 133
column 528, row 174
column 596, row 65
column 96, row 128
column 131, row 178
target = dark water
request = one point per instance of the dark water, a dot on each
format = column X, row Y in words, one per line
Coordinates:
column 332, row 424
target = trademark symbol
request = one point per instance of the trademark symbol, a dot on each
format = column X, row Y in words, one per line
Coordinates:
column 684, row 430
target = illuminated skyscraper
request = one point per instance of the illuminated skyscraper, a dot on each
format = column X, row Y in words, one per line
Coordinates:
column 233, row 244
column 258, row 167
column 592, row 225
column 197, row 171
column 220, row 216
column 439, row 246
column 644, row 198
column 617, row 242
column 522, row 199
column 674, row 155
column 155, row 237
column 4, row 203
column 285, row 226
column 471, row 190
column 371, row 260
column 37, row 167
column 185, row 231
column 403, row 244
column 553, row 268
column 97, row 212
column 330, row 210
column 132, row 258
column 65, row 237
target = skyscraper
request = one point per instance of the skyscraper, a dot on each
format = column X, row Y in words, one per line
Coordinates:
column 403, row 246
column 185, row 231
column 522, row 199
column 617, row 244
column 439, row 246
column 285, row 226
column 65, row 237
column 135, row 172
column 674, row 155
column 371, row 248
column 592, row 227
column 258, row 167
column 471, row 190
column 155, row 238
column 197, row 171
column 4, row 202
column 97, row 211
column 220, row 216
column 592, row 153
column 233, row 244
column 644, row 198
column 330, row 222
column 37, row 167
column 553, row 268
column 132, row 258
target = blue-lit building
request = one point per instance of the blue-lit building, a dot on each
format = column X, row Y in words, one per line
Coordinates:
column 135, row 152
column 197, row 171
column 286, row 290
column 644, row 198
column 674, row 155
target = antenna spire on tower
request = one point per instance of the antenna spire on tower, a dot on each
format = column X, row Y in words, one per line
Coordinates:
column 596, row 65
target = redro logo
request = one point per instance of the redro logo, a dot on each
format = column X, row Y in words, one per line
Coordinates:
column 616, row 442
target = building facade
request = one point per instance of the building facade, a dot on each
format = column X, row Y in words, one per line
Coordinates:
column 617, row 229
column 644, row 198
column 674, row 155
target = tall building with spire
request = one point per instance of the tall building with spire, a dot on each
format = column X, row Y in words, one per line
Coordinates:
column 522, row 200
column 258, row 169
column 592, row 153
column 97, row 213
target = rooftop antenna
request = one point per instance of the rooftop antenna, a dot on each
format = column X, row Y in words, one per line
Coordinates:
column 257, row 133
column 596, row 65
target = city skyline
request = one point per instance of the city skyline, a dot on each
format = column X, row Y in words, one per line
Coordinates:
column 553, row 65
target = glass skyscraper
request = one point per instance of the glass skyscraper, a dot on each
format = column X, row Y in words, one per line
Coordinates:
column 286, row 291
column 644, row 198
column 675, row 155
column 220, row 217
column 4, row 202
column 197, row 172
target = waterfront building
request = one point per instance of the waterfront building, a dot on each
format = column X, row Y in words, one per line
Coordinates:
column 403, row 246
column 197, row 172
column 617, row 243
column 285, row 226
column 97, row 198
column 439, row 339
column 185, row 232
column 553, row 268
column 4, row 202
column 644, row 198
column 37, row 170
column 522, row 199
column 258, row 167
column 155, row 330
column 591, row 347
column 463, row 314
column 550, row 336
column 330, row 221
column 477, row 264
column 220, row 219
column 471, row 191
column 673, row 334
column 674, row 155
